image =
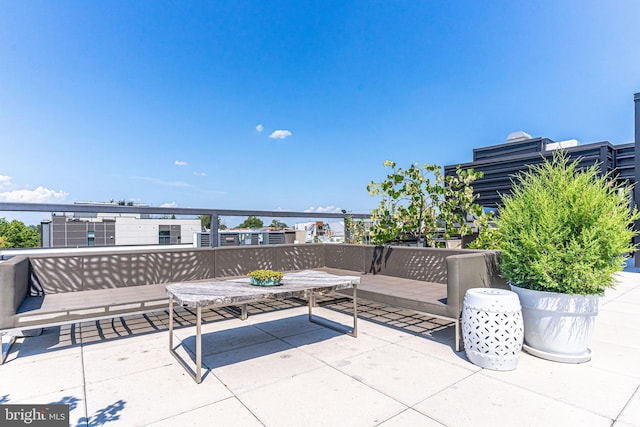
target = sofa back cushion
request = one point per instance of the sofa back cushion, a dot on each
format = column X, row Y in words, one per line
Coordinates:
column 86, row 271
column 426, row 264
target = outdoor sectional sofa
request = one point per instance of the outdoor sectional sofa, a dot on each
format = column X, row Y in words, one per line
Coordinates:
column 54, row 289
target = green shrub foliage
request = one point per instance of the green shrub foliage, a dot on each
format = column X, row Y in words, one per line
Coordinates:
column 488, row 236
column 419, row 201
column 565, row 230
column 266, row 275
column 15, row 234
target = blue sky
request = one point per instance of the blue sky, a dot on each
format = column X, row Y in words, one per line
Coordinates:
column 294, row 105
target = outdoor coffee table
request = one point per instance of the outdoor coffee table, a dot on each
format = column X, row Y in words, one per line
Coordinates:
column 239, row 292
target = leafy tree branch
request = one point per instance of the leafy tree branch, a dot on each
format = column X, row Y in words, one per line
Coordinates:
column 420, row 202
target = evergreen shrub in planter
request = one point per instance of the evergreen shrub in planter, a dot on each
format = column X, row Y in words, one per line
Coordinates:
column 563, row 231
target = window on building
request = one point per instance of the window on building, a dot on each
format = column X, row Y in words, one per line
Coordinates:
column 164, row 237
column 91, row 238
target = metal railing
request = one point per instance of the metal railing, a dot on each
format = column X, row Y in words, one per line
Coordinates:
column 213, row 213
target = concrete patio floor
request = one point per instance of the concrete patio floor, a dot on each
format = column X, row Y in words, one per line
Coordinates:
column 278, row 369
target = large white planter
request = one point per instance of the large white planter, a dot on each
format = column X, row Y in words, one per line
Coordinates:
column 557, row 326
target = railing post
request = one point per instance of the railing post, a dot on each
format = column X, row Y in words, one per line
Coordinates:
column 213, row 233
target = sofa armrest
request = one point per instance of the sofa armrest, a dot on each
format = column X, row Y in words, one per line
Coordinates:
column 14, row 286
column 473, row 270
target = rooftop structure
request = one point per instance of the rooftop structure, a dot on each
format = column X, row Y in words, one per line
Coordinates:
column 501, row 162
column 238, row 237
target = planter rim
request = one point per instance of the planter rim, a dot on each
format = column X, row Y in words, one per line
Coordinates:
column 515, row 285
column 571, row 304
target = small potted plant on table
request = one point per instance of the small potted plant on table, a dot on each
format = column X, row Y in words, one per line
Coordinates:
column 564, row 233
column 265, row 277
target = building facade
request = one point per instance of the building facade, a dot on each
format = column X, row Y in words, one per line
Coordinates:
column 501, row 162
column 77, row 230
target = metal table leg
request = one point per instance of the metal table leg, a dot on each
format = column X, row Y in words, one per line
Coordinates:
column 354, row 331
column 171, row 324
column 199, row 345
column 355, row 311
column 198, row 373
column 7, row 342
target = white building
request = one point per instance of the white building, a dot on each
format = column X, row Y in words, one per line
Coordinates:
column 108, row 229
column 318, row 231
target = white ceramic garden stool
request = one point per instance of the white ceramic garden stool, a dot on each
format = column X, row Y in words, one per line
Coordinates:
column 492, row 328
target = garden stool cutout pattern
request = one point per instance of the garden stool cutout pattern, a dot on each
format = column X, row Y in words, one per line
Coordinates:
column 492, row 328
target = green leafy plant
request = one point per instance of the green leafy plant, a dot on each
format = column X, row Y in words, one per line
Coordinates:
column 205, row 220
column 420, row 202
column 15, row 234
column 276, row 223
column 265, row 275
column 355, row 231
column 251, row 222
column 488, row 234
column 565, row 230
column 458, row 201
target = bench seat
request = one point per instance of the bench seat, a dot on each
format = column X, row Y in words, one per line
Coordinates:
column 418, row 295
column 93, row 304
column 67, row 307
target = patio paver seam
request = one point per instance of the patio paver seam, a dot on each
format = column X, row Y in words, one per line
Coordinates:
column 324, row 364
column 356, row 378
column 84, row 376
column 637, row 391
column 471, row 368
column 471, row 374
column 311, row 353
column 546, row 396
column 248, row 409
column 609, row 371
column 405, row 410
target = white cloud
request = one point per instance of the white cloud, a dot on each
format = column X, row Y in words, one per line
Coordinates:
column 325, row 209
column 39, row 195
column 169, row 205
column 5, row 181
column 200, row 174
column 161, row 182
column 259, row 128
column 13, row 193
column 280, row 134
column 180, row 163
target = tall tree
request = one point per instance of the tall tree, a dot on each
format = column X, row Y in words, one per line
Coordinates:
column 15, row 234
column 252, row 222
column 276, row 223
column 205, row 220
